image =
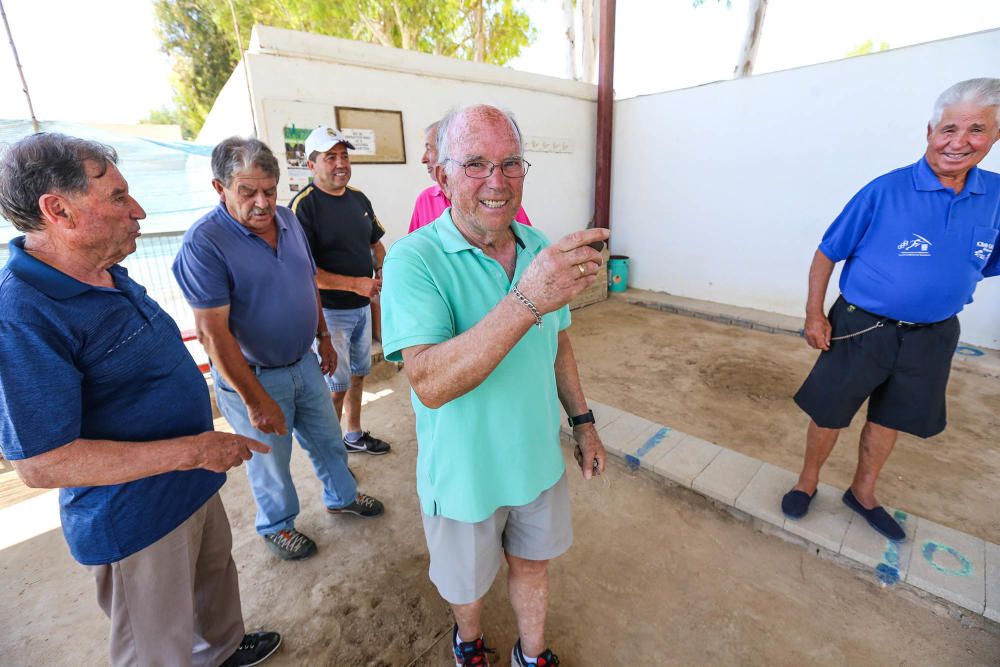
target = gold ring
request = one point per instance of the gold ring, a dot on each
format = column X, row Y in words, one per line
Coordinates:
column 583, row 271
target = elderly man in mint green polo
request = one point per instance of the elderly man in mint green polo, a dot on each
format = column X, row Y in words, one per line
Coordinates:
column 475, row 306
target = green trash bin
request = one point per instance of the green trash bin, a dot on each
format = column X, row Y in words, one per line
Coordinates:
column 618, row 273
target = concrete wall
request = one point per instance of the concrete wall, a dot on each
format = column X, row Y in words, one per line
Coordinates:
column 722, row 192
column 299, row 78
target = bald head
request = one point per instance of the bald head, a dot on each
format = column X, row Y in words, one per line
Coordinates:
column 465, row 128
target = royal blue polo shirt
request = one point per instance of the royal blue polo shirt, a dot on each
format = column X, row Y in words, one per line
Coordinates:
column 271, row 292
column 79, row 361
column 914, row 249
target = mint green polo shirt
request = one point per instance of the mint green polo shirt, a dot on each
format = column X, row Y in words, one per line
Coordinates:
column 498, row 445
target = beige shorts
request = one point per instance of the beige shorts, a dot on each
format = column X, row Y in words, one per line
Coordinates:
column 465, row 557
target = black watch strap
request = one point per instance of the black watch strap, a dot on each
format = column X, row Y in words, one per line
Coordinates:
column 579, row 420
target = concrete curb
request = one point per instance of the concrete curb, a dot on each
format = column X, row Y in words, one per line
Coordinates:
column 957, row 570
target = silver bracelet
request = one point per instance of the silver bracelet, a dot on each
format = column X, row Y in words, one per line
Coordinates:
column 530, row 306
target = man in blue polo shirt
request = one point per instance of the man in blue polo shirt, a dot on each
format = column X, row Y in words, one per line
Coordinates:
column 99, row 398
column 475, row 305
column 915, row 243
column 247, row 272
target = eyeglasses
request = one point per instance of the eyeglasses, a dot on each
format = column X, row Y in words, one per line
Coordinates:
column 512, row 168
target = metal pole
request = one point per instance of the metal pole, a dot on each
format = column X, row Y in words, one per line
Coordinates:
column 605, row 107
column 17, row 61
column 243, row 58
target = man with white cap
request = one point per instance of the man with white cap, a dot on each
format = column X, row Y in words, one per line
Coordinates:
column 345, row 238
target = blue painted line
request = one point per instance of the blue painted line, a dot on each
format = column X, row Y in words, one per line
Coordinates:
column 887, row 575
column 887, row 572
column 633, row 461
column 968, row 351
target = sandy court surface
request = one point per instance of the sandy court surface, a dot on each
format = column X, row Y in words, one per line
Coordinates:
column 734, row 386
column 657, row 575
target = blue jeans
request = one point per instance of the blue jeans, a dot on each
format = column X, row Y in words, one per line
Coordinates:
column 305, row 401
column 351, row 335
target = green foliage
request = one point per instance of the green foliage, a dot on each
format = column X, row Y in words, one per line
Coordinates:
column 199, row 36
column 163, row 116
column 203, row 57
column 867, row 47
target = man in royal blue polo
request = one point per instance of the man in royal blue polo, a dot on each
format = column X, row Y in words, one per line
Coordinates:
column 247, row 272
column 915, row 242
column 100, row 399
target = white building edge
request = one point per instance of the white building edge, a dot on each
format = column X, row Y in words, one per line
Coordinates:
column 720, row 192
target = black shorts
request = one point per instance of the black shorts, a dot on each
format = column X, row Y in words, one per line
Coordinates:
column 902, row 370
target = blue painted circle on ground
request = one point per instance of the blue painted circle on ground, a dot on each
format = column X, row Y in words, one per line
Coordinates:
column 931, row 548
column 968, row 351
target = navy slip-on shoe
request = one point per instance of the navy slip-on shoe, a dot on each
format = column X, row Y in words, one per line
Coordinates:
column 877, row 518
column 795, row 503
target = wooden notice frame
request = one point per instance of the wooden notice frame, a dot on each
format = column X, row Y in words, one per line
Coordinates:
column 387, row 127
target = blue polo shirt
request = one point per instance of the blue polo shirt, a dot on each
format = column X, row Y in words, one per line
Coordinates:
column 498, row 444
column 271, row 293
column 915, row 250
column 79, row 361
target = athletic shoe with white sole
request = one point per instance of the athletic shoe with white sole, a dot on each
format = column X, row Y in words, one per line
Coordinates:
column 546, row 659
column 255, row 648
column 363, row 505
column 368, row 444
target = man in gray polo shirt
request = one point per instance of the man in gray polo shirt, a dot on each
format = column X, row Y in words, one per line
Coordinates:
column 247, row 272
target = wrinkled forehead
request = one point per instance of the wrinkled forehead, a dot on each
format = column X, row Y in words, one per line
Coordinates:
column 482, row 134
column 968, row 113
column 254, row 179
column 104, row 175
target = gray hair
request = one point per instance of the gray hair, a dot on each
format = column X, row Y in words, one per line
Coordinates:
column 236, row 154
column 446, row 125
column 982, row 92
column 42, row 164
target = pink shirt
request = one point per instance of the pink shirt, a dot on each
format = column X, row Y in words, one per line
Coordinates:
column 431, row 204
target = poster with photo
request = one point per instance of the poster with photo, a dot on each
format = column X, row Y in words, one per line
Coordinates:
column 296, row 159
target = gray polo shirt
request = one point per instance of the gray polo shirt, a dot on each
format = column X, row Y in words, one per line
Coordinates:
column 271, row 292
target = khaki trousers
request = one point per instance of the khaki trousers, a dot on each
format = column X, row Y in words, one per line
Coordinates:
column 176, row 602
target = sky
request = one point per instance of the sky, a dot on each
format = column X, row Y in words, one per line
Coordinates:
column 100, row 60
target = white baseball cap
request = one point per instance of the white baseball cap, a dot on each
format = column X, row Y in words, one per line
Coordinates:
column 323, row 138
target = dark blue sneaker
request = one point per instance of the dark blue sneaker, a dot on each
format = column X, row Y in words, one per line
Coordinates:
column 877, row 518
column 255, row 648
column 368, row 444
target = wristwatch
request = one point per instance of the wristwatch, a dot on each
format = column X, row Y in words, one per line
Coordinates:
column 322, row 334
column 579, row 420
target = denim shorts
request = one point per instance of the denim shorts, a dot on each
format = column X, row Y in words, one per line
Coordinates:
column 351, row 335
column 465, row 557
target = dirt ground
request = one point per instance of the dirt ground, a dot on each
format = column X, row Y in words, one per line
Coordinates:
column 734, row 386
column 657, row 574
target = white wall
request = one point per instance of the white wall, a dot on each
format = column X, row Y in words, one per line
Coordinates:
column 299, row 78
column 722, row 192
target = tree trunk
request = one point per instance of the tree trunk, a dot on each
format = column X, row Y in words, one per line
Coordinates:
column 755, row 24
column 404, row 33
column 568, row 22
column 479, row 34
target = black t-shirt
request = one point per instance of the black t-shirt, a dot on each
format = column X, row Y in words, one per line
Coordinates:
column 341, row 230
